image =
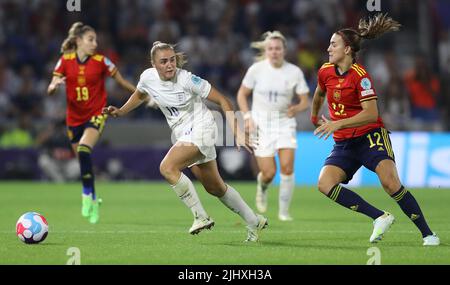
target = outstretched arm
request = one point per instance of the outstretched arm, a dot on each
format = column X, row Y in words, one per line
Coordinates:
column 53, row 86
column 227, row 108
column 136, row 99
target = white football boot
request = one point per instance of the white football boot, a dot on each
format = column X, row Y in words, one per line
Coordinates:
column 285, row 217
column 431, row 240
column 380, row 226
column 201, row 224
column 253, row 231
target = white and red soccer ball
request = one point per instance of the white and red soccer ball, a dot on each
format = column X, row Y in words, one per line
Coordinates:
column 32, row 228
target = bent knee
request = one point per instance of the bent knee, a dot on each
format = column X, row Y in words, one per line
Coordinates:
column 166, row 169
column 216, row 190
column 325, row 186
column 268, row 174
column 287, row 169
column 390, row 184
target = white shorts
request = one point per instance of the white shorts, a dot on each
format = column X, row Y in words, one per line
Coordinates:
column 203, row 135
column 271, row 139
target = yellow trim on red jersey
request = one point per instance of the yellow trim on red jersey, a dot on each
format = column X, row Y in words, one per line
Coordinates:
column 369, row 98
column 57, row 74
column 97, row 57
column 325, row 65
column 69, row 56
column 360, row 67
column 357, row 71
column 361, row 72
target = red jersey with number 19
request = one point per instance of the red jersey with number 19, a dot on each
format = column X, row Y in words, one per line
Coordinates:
column 344, row 95
column 85, row 85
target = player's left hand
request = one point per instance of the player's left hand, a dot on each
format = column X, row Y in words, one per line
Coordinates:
column 326, row 128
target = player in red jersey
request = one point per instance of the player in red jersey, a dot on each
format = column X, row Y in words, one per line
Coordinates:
column 84, row 73
column 358, row 130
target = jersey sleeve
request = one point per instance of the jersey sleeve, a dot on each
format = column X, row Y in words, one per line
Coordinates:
column 197, row 86
column 301, row 85
column 321, row 80
column 110, row 67
column 59, row 69
column 322, row 76
column 365, row 88
column 141, row 84
column 249, row 80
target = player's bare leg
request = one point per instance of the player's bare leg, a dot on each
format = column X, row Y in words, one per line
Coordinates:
column 330, row 178
column 267, row 169
column 179, row 157
column 208, row 174
column 387, row 173
column 90, row 205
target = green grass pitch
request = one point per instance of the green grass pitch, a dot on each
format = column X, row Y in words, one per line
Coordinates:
column 145, row 223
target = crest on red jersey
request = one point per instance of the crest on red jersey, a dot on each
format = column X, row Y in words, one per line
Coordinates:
column 337, row 95
column 81, row 80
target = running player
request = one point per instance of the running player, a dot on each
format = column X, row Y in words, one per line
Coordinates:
column 179, row 95
column 358, row 130
column 84, row 73
column 273, row 82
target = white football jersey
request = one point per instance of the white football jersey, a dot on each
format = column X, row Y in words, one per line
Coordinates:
column 180, row 99
column 273, row 88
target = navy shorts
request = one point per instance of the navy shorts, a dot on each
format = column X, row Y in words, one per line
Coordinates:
column 96, row 122
column 367, row 150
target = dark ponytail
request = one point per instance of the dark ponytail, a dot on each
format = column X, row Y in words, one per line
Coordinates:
column 370, row 28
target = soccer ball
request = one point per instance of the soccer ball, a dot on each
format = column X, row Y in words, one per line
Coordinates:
column 32, row 228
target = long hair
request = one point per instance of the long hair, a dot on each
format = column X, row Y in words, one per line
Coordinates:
column 77, row 30
column 180, row 57
column 261, row 45
column 370, row 28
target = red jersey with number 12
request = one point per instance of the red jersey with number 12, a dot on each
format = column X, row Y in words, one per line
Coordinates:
column 85, row 85
column 344, row 95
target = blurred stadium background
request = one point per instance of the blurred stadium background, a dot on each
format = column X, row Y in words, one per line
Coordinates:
column 411, row 69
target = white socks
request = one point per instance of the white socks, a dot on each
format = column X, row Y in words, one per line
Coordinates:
column 233, row 200
column 186, row 192
column 286, row 190
column 260, row 182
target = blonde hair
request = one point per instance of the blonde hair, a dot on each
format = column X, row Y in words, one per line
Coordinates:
column 266, row 37
column 76, row 31
column 180, row 57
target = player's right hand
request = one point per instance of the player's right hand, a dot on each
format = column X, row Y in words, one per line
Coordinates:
column 55, row 83
column 112, row 111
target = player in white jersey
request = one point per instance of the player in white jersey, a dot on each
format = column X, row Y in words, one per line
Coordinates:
column 273, row 82
column 179, row 95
